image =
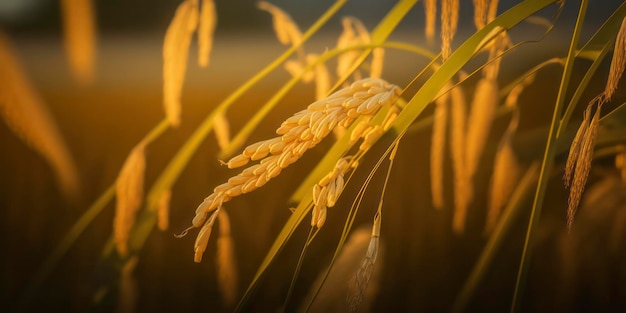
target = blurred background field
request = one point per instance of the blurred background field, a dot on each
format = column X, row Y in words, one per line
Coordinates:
column 424, row 264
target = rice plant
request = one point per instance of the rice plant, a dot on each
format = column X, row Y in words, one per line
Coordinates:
column 365, row 164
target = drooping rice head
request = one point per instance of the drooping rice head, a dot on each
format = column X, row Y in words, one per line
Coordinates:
column 79, row 30
column 25, row 113
column 175, row 53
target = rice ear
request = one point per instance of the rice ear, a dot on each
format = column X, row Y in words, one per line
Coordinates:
column 574, row 150
column 437, row 151
column 360, row 281
column 458, row 128
column 203, row 236
column 129, row 196
column 285, row 28
column 506, row 172
column 618, row 62
column 25, row 114
column 299, row 133
column 430, row 8
column 479, row 123
column 583, row 166
column 480, row 13
column 79, row 30
column 206, row 30
column 175, row 52
column 449, row 22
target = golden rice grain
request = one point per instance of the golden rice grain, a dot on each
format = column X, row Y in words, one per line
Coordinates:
column 437, row 147
column 163, row 210
column 430, row 8
column 24, row 112
column 80, row 37
column 323, row 116
column 203, row 236
column 327, row 191
column 222, row 130
column 206, row 31
column 226, row 261
column 175, row 52
column 129, row 196
column 449, row 21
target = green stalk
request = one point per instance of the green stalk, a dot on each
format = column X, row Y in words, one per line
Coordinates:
column 548, row 161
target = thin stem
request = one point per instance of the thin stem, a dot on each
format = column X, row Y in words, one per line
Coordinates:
column 548, row 160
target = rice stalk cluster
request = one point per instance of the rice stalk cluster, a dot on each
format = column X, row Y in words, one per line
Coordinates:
column 129, row 196
column 24, row 112
column 327, row 191
column 580, row 155
column 297, row 134
column 176, row 50
column 79, row 30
